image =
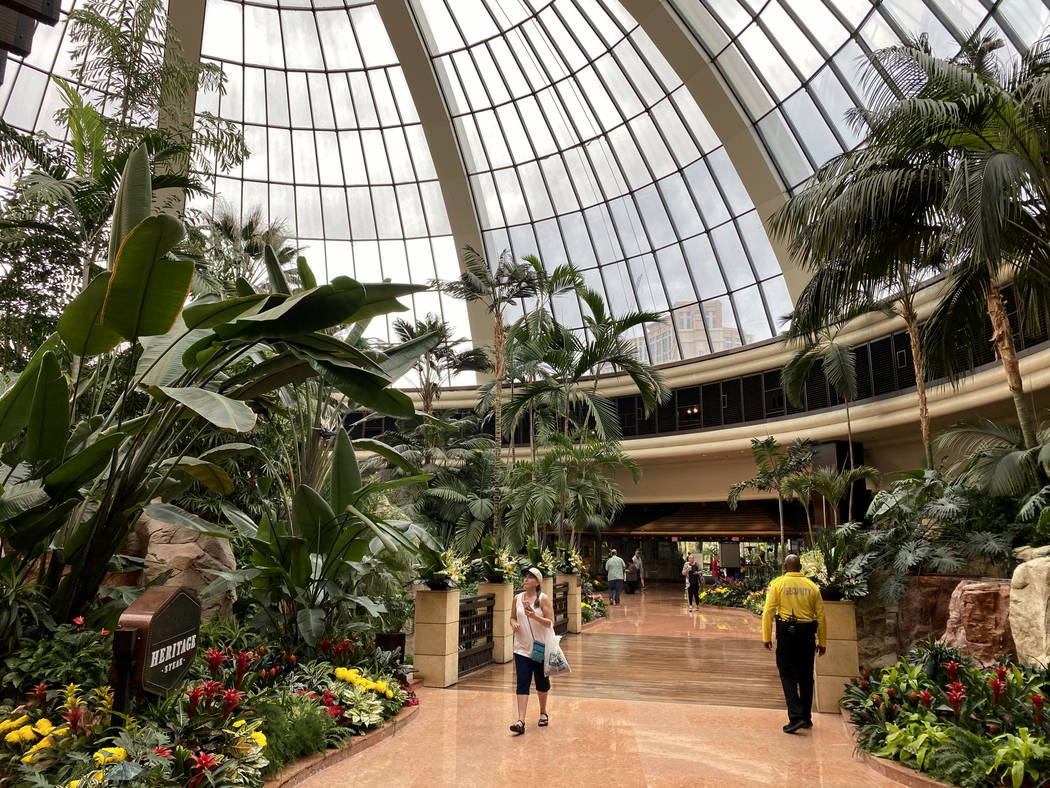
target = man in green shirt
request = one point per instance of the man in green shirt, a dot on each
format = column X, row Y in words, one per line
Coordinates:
column 614, row 573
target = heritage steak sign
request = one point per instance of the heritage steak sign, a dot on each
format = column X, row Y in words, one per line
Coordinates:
column 159, row 631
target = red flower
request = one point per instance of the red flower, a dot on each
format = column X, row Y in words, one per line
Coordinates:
column 1000, row 672
column 292, row 659
column 215, row 659
column 998, row 688
column 1037, row 701
column 956, row 695
column 162, row 751
column 75, row 719
column 876, row 698
column 993, row 729
column 327, row 698
column 195, row 695
column 211, row 689
column 325, row 645
column 926, row 697
column 202, row 762
column 39, row 693
column 230, row 698
column 79, row 621
column 103, row 632
column 241, row 661
column 335, row 712
column 953, row 670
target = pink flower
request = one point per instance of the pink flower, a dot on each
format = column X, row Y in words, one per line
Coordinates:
column 230, row 698
column 162, row 751
column 926, row 697
column 79, row 621
column 103, row 632
column 215, row 658
column 195, row 695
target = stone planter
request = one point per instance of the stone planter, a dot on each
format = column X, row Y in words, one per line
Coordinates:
column 840, row 664
column 547, row 586
column 575, row 598
column 1030, row 610
column 502, row 634
column 436, row 653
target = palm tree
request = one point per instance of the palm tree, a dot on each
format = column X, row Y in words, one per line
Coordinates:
column 992, row 456
column 954, row 166
column 832, row 485
column 574, row 473
column 443, row 361
column 497, row 290
column 776, row 465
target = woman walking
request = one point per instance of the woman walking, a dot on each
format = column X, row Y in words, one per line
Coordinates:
column 695, row 571
column 531, row 616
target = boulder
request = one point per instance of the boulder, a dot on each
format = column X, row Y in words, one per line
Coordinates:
column 188, row 553
column 1030, row 612
column 979, row 620
column 876, row 632
column 924, row 609
column 1027, row 552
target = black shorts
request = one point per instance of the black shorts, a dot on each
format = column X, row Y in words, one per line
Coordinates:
column 526, row 669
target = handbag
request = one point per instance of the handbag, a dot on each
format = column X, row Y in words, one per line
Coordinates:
column 538, row 646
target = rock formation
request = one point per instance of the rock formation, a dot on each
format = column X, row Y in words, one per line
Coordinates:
column 979, row 620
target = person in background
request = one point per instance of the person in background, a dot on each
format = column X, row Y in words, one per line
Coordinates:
column 614, row 571
column 637, row 561
column 531, row 615
column 631, row 578
column 694, row 573
column 714, row 568
column 794, row 605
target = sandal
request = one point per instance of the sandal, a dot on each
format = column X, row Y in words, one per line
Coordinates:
column 544, row 720
column 518, row 727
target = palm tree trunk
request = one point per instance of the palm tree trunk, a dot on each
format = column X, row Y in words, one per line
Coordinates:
column 1003, row 337
column 499, row 340
column 780, row 509
column 911, row 323
column 849, row 437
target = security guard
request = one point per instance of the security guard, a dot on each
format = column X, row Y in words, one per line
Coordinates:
column 794, row 603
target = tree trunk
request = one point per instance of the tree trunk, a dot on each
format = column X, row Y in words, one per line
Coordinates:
column 849, row 437
column 780, row 510
column 911, row 323
column 1003, row 337
column 499, row 340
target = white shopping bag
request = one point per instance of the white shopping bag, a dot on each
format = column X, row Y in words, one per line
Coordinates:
column 554, row 662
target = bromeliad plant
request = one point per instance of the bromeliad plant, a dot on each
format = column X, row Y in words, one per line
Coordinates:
column 80, row 465
column 440, row 569
column 496, row 564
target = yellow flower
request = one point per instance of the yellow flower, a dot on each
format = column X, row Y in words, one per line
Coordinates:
column 381, row 686
column 73, row 784
column 8, row 725
column 259, row 738
column 238, row 724
column 26, row 733
column 43, row 726
column 60, row 731
column 108, row 755
column 44, row 744
column 30, row 757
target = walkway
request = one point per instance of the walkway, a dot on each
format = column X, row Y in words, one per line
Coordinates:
column 657, row 697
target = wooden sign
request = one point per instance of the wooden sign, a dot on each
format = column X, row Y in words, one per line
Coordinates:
column 166, row 623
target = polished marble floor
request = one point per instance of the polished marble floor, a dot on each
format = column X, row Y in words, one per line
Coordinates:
column 657, row 697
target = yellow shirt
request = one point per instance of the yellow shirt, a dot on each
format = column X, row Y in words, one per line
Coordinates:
column 793, row 594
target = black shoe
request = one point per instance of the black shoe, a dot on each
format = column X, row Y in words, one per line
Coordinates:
column 792, row 727
column 806, row 724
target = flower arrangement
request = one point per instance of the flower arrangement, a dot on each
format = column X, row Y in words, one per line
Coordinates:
column 569, row 561
column 837, row 564
column 960, row 723
column 595, row 605
column 495, row 564
column 440, row 571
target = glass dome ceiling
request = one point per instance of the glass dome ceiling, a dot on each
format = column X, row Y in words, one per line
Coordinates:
column 569, row 129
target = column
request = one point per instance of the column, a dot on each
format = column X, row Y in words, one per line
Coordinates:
column 502, row 634
column 841, row 663
column 436, row 653
column 575, row 598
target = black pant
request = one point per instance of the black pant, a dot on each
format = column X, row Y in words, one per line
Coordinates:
column 795, row 651
column 694, row 593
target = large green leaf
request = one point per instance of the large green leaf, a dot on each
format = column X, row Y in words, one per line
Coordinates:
column 214, row 313
column 207, row 473
column 146, row 292
column 85, row 465
column 160, row 363
column 223, row 412
column 380, row 299
column 345, row 474
column 134, row 199
column 48, row 426
column 36, row 529
column 21, row 498
column 278, row 284
column 227, row 450
column 314, row 519
column 310, row 310
column 386, row 452
column 17, row 400
column 399, row 359
column 306, row 274
column 311, row 624
column 364, row 388
column 173, row 515
column 335, row 350
column 80, row 325
column 269, row 375
column 239, row 519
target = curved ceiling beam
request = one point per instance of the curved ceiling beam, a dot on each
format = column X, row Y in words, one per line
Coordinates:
column 726, row 117
column 437, row 127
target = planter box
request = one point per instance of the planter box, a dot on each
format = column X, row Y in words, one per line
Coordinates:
column 547, row 586
column 841, row 663
column 502, row 634
column 436, row 652
column 575, row 597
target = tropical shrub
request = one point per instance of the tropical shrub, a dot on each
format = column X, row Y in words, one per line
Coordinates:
column 958, row 722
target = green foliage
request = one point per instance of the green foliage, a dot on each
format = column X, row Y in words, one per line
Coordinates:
column 913, row 740
column 70, row 654
column 295, row 726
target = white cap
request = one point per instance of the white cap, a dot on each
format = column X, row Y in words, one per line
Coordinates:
column 535, row 573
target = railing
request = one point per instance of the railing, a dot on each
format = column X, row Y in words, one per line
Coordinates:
column 475, row 632
column 561, row 608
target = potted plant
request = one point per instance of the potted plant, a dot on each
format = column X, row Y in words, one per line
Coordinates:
column 837, row 563
column 569, row 561
column 400, row 608
column 495, row 564
column 440, row 571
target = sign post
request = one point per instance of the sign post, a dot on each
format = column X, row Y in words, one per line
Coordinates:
column 155, row 643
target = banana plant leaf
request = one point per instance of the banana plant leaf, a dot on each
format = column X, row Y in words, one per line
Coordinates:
column 80, row 325
column 18, row 399
column 83, row 466
column 207, row 473
column 223, row 412
column 134, row 199
column 215, row 313
column 174, row 515
column 270, row 375
column 48, row 427
column 302, row 313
